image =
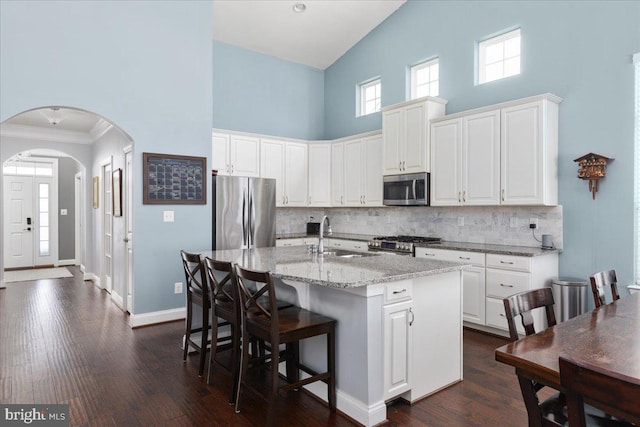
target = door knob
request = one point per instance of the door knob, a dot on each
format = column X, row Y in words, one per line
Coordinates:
column 27, row 229
column 125, row 240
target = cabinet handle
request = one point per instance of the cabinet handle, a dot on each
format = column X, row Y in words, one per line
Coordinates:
column 228, row 168
column 413, row 316
column 399, row 292
column 462, row 257
column 231, row 168
column 364, row 199
column 459, row 198
column 426, row 254
column 283, row 200
column 464, row 196
column 503, row 194
column 400, row 166
column 342, row 200
column 404, row 165
column 287, row 199
column 309, row 199
column 506, row 262
column 501, row 315
column 506, row 286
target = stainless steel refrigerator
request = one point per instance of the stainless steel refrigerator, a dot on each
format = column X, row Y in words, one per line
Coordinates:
column 244, row 212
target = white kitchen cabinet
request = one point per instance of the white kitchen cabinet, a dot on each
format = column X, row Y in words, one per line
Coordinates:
column 473, row 285
column 465, row 153
column 286, row 162
column 405, row 130
column 337, row 174
column 529, row 149
column 350, row 245
column 396, row 337
column 297, row 241
column 320, row 177
column 362, row 171
column 235, row 154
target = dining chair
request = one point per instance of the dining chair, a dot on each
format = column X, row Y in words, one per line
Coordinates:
column 225, row 306
column 550, row 411
column 601, row 280
column 197, row 295
column 261, row 318
column 612, row 392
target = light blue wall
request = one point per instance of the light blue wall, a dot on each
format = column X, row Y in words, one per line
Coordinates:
column 580, row 51
column 257, row 93
column 145, row 65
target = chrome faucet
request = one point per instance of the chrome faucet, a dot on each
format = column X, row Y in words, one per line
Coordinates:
column 321, row 236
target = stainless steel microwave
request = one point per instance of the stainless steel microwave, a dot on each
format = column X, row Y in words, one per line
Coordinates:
column 406, row 190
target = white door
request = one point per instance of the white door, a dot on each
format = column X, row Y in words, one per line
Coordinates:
column 107, row 224
column 319, row 173
column 272, row 166
column 78, row 210
column 392, row 128
column 481, row 159
column 244, row 155
column 220, row 153
column 128, row 212
column 445, row 163
column 18, row 215
column 337, row 174
column 415, row 139
column 353, row 173
column 396, row 336
column 296, row 174
column 372, row 170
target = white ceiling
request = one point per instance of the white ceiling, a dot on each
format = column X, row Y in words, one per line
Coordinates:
column 320, row 35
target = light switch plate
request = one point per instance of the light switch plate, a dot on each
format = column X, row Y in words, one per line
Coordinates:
column 63, row 211
column 168, row 216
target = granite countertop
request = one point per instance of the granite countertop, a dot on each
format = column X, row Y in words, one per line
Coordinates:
column 490, row 248
column 345, row 236
column 294, row 263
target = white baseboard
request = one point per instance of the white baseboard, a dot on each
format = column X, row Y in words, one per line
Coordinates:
column 82, row 269
column 145, row 319
column 2, row 284
column 95, row 279
column 65, row 262
column 117, row 299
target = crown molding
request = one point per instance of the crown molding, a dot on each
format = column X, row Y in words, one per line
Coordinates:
column 45, row 134
column 100, row 128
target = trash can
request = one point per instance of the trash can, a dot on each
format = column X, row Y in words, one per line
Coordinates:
column 570, row 296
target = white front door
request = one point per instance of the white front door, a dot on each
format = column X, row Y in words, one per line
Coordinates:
column 18, row 215
column 128, row 211
column 107, row 227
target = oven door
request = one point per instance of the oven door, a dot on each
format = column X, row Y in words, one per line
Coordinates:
column 406, row 190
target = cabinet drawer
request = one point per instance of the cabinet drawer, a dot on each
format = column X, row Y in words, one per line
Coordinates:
column 350, row 245
column 289, row 242
column 398, row 291
column 503, row 283
column 509, row 262
column 475, row 258
column 496, row 317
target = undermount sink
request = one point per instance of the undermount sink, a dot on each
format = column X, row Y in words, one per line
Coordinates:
column 341, row 253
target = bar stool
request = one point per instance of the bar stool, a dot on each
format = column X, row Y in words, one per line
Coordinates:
column 285, row 326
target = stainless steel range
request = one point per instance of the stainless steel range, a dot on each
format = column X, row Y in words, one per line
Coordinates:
column 399, row 244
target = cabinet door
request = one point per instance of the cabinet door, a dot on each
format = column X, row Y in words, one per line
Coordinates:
column 220, row 153
column 522, row 155
column 296, row 174
column 445, row 163
column 372, row 171
column 392, row 131
column 319, row 174
column 473, row 295
column 272, row 165
column 245, row 156
column 415, row 158
column 396, row 338
column 353, row 173
column 481, row 159
column 337, row 174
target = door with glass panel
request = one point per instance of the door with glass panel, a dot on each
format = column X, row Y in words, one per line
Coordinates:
column 107, row 227
column 18, row 218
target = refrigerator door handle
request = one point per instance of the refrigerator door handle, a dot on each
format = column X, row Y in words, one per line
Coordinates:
column 245, row 240
column 252, row 217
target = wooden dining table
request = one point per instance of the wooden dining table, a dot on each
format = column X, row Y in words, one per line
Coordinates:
column 607, row 337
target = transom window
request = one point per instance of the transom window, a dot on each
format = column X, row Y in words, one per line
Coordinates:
column 27, row 168
column 425, row 79
column 370, row 97
column 499, row 57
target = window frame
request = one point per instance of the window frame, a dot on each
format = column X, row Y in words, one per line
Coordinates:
column 413, row 71
column 362, row 88
column 492, row 41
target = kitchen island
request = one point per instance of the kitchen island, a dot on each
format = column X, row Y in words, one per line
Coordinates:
column 399, row 321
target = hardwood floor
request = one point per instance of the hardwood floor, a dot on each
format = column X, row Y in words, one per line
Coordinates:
column 64, row 341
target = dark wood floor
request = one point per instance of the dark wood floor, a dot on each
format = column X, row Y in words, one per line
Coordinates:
column 63, row 341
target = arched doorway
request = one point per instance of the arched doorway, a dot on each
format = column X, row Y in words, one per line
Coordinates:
column 91, row 150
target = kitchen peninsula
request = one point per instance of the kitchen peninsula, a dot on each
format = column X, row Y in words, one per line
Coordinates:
column 399, row 330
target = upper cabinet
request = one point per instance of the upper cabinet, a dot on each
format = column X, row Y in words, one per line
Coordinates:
column 405, row 130
column 319, row 174
column 235, row 154
column 465, row 167
column 286, row 162
column 505, row 154
column 337, row 174
column 362, row 178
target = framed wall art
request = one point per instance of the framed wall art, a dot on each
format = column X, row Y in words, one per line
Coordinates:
column 95, row 192
column 117, row 192
column 171, row 179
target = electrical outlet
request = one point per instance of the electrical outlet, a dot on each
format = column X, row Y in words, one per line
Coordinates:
column 533, row 223
column 168, row 216
column 513, row 222
column 177, row 287
column 460, row 221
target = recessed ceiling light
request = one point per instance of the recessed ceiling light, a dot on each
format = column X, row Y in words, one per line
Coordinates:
column 299, row 7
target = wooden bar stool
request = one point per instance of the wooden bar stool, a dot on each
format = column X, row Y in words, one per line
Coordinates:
column 197, row 295
column 601, row 280
column 285, row 326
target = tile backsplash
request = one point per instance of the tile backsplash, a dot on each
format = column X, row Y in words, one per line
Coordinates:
column 507, row 225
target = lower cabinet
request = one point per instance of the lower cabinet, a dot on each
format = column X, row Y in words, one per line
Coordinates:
column 396, row 324
column 350, row 245
column 296, row 241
